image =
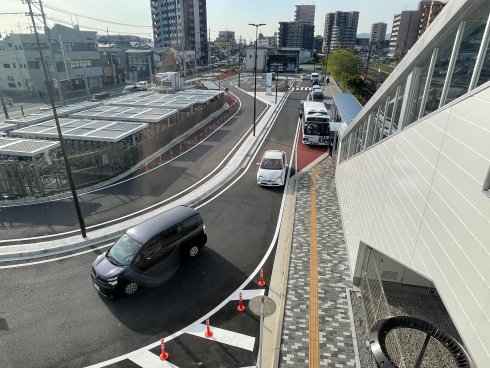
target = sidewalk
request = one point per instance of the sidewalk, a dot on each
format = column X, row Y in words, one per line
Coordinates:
column 329, row 321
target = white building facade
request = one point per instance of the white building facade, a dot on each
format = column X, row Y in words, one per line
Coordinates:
column 413, row 172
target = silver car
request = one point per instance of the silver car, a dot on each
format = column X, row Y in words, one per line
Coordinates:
column 272, row 169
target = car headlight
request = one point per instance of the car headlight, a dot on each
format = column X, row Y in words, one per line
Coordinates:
column 112, row 281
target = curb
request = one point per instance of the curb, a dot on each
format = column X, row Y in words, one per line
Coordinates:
column 77, row 242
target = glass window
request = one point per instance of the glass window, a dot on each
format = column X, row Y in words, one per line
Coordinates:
column 418, row 85
column 123, row 251
column 6, row 66
column 468, row 51
column 190, row 225
column 271, row 164
column 172, row 235
column 399, row 104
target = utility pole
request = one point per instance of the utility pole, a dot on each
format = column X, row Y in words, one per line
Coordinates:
column 367, row 60
column 4, row 107
column 47, row 33
column 209, row 47
column 113, row 67
column 239, row 60
column 60, row 135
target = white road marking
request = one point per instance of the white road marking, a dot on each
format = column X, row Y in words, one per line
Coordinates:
column 146, row 359
column 223, row 336
column 244, row 284
column 248, row 294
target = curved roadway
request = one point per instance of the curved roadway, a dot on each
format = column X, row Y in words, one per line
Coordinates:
column 51, row 316
column 136, row 194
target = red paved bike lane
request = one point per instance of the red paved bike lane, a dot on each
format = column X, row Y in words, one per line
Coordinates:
column 306, row 154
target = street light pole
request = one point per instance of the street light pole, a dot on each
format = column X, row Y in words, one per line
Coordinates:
column 60, row 135
column 255, row 68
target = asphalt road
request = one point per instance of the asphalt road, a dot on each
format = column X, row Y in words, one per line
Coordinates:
column 51, row 316
column 137, row 194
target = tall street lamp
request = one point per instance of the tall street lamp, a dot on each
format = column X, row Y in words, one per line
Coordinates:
column 255, row 67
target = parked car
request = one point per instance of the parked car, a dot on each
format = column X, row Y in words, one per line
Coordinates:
column 272, row 169
column 142, row 86
column 150, row 253
column 100, row 96
column 130, row 89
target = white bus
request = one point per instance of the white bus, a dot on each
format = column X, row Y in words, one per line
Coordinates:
column 316, row 124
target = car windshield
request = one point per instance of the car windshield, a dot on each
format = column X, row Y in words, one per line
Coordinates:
column 318, row 95
column 316, row 129
column 96, row 97
column 271, row 164
column 128, row 88
column 123, row 251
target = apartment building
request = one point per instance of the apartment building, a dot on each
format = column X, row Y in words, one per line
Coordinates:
column 296, row 34
column 305, row 13
column 340, row 30
column 405, row 31
column 181, row 23
column 378, row 35
column 429, row 10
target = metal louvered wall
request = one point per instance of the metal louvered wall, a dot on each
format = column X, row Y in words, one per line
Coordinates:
column 375, row 304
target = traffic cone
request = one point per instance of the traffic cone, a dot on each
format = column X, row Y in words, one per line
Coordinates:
column 261, row 281
column 164, row 354
column 241, row 307
column 200, row 139
column 208, row 332
column 195, row 140
column 171, row 154
column 205, row 131
column 180, row 149
column 146, row 166
column 160, row 160
column 188, row 144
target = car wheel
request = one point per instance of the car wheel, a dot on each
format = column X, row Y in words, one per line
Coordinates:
column 193, row 251
column 131, row 288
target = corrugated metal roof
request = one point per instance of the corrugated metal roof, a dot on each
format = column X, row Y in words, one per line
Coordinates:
column 6, row 127
column 347, row 106
column 88, row 130
column 210, row 85
column 25, row 147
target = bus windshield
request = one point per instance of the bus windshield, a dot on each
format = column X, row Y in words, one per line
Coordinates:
column 316, row 129
column 317, row 120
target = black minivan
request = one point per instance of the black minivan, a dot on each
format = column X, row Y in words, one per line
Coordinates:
column 149, row 254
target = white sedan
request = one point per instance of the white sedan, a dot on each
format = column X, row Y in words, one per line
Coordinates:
column 304, row 77
column 272, row 169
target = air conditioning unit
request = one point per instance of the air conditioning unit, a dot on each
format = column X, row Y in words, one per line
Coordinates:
column 10, row 78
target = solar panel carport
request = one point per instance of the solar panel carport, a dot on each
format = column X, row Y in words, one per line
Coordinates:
column 131, row 114
column 77, row 129
column 25, row 147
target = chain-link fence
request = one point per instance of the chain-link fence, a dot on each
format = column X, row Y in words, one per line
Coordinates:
column 375, row 304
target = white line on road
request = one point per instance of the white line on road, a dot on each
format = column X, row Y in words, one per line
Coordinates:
column 248, row 294
column 245, row 283
column 223, row 336
column 146, row 359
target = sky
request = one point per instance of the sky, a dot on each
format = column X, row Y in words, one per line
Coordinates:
column 233, row 15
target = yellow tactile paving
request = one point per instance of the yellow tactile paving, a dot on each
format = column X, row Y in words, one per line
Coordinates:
column 314, row 344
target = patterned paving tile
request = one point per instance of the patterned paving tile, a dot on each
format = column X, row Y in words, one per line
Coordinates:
column 336, row 345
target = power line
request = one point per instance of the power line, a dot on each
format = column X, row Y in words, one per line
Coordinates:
column 94, row 28
column 111, row 11
column 95, row 19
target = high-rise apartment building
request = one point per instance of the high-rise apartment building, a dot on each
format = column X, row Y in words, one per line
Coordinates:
column 182, row 23
column 429, row 10
column 296, row 34
column 340, row 30
column 378, row 35
column 405, row 31
column 305, row 13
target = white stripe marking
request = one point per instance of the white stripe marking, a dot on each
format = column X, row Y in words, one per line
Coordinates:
column 249, row 294
column 245, row 283
column 146, row 359
column 223, row 336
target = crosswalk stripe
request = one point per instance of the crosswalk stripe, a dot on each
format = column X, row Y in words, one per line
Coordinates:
column 223, row 336
column 146, row 359
column 249, row 294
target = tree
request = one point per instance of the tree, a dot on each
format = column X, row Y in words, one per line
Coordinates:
column 343, row 61
column 318, row 43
